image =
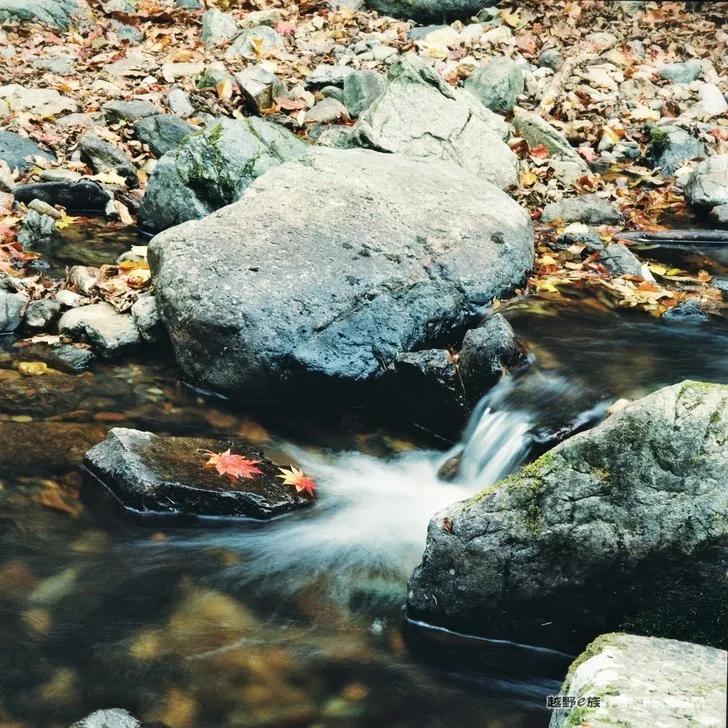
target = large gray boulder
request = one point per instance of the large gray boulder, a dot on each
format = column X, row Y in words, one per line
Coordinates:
column 621, row 527
column 421, row 115
column 628, row 680
column 327, row 269
column 212, row 168
column 57, row 13
column 430, row 11
column 16, row 149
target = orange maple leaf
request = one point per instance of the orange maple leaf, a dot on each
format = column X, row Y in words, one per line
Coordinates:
column 299, row 480
column 233, row 466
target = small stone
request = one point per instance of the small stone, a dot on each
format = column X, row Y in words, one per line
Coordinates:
column 619, row 260
column 255, row 43
column 589, row 209
column 43, row 208
column 550, row 58
column 59, row 66
column 83, row 278
column 147, row 319
column 162, row 132
column 712, row 102
column 685, row 72
column 687, row 312
column 327, row 111
column 719, row 215
column 497, row 85
column 40, row 102
column 260, row 87
column 188, row 4
column 13, row 304
column 41, row 314
column 103, row 157
column 127, row 32
column 328, row 75
column 39, row 231
column 179, row 103
column 671, row 146
column 116, row 111
column 361, row 88
column 333, row 92
column 69, row 299
column 82, row 196
column 16, row 150
column 101, row 325
column 110, row 718
column 217, row 28
column 270, row 16
column 707, row 185
column 68, row 358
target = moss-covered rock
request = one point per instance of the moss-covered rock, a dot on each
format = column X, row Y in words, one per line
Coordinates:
column 621, row 527
column 626, row 680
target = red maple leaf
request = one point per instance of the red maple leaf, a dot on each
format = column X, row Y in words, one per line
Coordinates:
column 299, row 480
column 233, row 466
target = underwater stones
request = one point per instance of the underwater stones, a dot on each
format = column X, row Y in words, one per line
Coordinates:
column 327, row 269
column 150, row 474
column 42, row 313
column 619, row 260
column 16, row 149
column 212, row 168
column 109, row 331
column 624, row 526
column 640, row 681
column 421, row 116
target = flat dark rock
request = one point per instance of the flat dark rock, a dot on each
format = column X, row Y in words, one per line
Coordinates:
column 154, row 474
column 82, row 196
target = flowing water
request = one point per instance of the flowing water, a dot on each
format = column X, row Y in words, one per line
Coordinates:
column 297, row 622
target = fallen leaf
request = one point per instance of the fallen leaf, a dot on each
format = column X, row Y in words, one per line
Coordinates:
column 298, row 479
column 233, row 466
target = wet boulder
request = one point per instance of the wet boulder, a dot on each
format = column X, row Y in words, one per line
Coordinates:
column 420, row 115
column 16, row 149
column 608, row 684
column 329, row 268
column 149, row 474
column 621, row 527
column 212, row 168
column 430, row 11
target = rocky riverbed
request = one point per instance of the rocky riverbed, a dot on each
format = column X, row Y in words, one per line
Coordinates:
column 282, row 282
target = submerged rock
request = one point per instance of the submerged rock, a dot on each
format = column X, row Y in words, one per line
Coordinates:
column 149, row 473
column 429, row 11
column 69, row 358
column 327, row 269
column 16, row 149
column 624, row 526
column 419, row 115
column 109, row 331
column 212, row 168
column 619, row 260
column 628, row 680
column 41, row 314
column 104, row 157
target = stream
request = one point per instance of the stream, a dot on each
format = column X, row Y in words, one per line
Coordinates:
column 298, row 621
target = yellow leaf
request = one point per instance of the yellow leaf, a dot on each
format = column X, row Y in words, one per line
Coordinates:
column 512, row 19
column 32, row 368
column 65, row 221
column 659, row 270
column 527, row 178
column 224, row 89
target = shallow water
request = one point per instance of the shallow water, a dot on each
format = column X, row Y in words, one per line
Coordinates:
column 299, row 621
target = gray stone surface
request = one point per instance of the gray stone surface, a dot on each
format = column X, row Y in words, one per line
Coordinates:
column 536, row 131
column 497, row 85
column 147, row 319
column 327, row 111
column 621, row 527
column 217, row 28
column 15, row 149
column 162, row 132
column 327, row 269
column 41, row 314
column 150, row 473
column 685, row 72
column 57, row 13
column 429, row 11
column 327, row 74
column 102, row 325
column 109, row 718
column 619, row 260
column 707, row 185
column 254, row 43
column 588, row 209
column 116, row 111
column 361, row 88
column 212, row 168
column 645, row 681
column 670, row 147
column 85, row 195
column 260, row 87
column 13, row 303
column 103, row 158
column 420, row 115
